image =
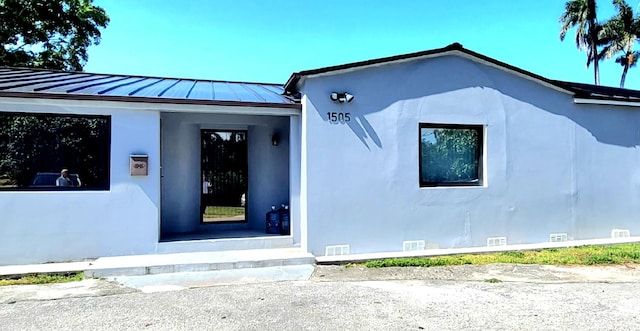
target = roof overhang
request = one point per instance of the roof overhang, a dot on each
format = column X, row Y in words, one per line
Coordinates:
column 296, row 80
column 152, row 104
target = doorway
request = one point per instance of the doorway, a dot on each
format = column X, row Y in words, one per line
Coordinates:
column 224, row 176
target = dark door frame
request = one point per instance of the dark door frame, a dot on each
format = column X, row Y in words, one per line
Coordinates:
column 246, row 173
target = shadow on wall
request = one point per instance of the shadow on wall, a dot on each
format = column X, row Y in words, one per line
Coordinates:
column 363, row 130
column 378, row 88
column 612, row 125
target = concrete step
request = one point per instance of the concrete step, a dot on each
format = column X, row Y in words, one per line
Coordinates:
column 139, row 265
column 183, row 280
column 224, row 244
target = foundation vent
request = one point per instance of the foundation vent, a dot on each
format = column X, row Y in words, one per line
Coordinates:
column 496, row 241
column 620, row 233
column 336, row 250
column 558, row 237
column 414, row 245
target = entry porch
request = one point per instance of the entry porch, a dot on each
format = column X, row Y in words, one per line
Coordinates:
column 221, row 173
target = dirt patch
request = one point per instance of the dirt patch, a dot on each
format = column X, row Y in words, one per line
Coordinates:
column 503, row 272
column 86, row 288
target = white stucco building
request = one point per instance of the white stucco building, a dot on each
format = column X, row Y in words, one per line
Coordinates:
column 544, row 160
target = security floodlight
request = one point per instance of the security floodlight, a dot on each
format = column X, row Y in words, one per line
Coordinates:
column 341, row 97
column 348, row 97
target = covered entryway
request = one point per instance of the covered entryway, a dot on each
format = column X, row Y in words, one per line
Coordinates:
column 144, row 189
column 221, row 173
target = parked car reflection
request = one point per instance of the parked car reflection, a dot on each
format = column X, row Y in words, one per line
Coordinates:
column 48, row 179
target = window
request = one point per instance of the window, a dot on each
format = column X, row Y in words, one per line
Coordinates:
column 35, row 148
column 450, row 155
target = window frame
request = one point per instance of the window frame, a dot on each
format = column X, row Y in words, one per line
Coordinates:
column 108, row 141
column 479, row 128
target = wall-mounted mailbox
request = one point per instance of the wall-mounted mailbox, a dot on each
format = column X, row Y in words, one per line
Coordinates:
column 139, row 165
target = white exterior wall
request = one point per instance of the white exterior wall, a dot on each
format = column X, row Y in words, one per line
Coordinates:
column 41, row 226
column 550, row 166
column 54, row 226
column 298, row 225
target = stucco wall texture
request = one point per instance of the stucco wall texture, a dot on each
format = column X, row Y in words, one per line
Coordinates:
column 45, row 226
column 550, row 166
column 127, row 219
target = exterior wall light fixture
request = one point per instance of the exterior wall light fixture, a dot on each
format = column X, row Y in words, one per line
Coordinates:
column 341, row 97
column 275, row 139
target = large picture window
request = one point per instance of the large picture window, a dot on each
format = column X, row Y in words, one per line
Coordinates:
column 450, row 155
column 54, row 151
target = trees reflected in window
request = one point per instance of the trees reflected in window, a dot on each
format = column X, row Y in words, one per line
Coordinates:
column 224, row 167
column 450, row 155
column 54, row 151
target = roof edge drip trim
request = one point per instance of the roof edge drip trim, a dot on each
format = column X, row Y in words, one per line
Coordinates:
column 605, row 101
column 89, row 97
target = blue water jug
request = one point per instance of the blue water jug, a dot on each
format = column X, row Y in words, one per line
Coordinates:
column 273, row 221
column 285, row 220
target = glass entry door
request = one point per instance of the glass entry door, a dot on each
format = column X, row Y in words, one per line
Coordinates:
column 223, row 176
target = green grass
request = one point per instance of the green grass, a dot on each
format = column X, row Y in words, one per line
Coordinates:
column 43, row 279
column 493, row 280
column 584, row 255
column 220, row 212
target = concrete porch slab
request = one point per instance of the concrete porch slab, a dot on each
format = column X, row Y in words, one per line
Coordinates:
column 138, row 265
column 184, row 280
column 237, row 241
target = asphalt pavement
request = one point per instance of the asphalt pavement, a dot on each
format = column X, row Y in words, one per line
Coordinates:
column 494, row 297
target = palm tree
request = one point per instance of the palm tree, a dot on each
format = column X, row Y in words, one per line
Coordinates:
column 581, row 14
column 620, row 34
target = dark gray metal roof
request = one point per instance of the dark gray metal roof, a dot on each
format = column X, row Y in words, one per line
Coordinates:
column 599, row 92
column 29, row 82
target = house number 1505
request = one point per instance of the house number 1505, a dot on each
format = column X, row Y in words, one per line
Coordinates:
column 338, row 117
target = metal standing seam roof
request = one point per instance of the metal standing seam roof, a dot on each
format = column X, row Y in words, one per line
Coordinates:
column 599, row 92
column 27, row 82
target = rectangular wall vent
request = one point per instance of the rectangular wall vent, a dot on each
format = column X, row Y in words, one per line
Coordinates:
column 413, row 245
column 620, row 233
column 336, row 250
column 558, row 237
column 497, row 241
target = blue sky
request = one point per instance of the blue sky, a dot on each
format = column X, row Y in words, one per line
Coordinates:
column 266, row 41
